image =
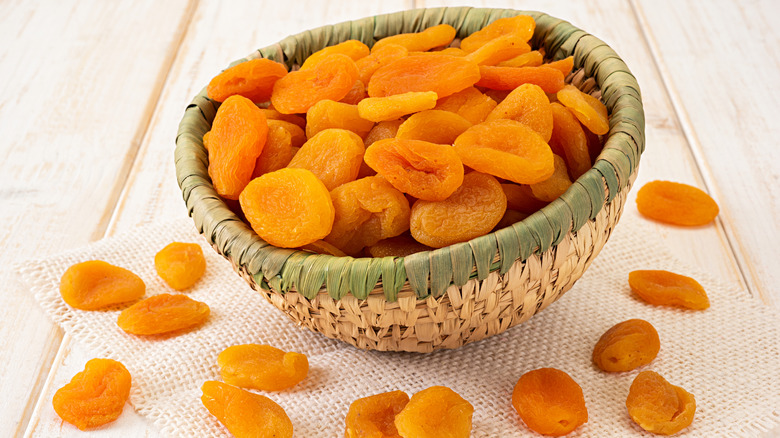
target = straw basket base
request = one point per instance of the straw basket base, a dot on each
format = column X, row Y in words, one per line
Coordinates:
column 475, row 311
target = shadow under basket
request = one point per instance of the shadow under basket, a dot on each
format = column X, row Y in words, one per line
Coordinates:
column 451, row 296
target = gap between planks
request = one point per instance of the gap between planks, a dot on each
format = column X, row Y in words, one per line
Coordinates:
column 735, row 247
column 107, row 222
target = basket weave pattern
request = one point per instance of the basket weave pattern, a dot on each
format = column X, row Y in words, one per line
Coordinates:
column 455, row 295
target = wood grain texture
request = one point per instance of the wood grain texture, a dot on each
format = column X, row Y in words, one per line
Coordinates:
column 74, row 102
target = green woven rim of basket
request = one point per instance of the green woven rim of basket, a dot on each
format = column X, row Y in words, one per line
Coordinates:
column 430, row 272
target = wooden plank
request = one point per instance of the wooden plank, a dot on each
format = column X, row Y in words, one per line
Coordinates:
column 216, row 36
column 719, row 64
column 74, row 102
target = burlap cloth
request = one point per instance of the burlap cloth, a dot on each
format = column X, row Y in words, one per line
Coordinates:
column 727, row 356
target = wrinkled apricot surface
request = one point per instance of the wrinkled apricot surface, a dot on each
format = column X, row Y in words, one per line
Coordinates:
column 470, row 104
column 471, row 211
column 434, row 36
column 433, row 126
column 424, row 170
column 382, row 131
column 288, row 208
column 330, row 78
column 351, row 48
column 379, row 58
column 676, row 204
column 509, row 78
column 262, row 367
column 253, row 79
column 245, row 414
column 356, row 93
column 521, row 25
column 664, row 288
column 96, row 284
column 530, row 59
column 555, row 185
column 180, row 264
column 278, row 149
column 527, row 104
column 565, row 65
column 297, row 134
column 442, row 74
column 569, row 141
column 332, row 155
column 374, row 416
column 658, row 406
column 95, row 396
column 627, row 346
column 327, row 114
column 163, row 313
column 379, row 109
column 588, row 110
column 549, row 402
column 435, row 412
column 499, row 49
column 272, row 114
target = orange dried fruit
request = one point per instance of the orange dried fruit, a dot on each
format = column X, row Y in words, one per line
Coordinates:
column 499, row 49
column 352, row 48
column 253, row 79
column 433, row 126
column 676, row 203
column 531, row 59
column 383, row 130
column 435, row 412
column 434, row 36
column 509, row 78
column 554, row 186
column 163, row 313
column 356, row 93
column 627, row 346
column 297, row 135
column 569, row 141
column 380, row 109
column 549, row 402
column 442, row 74
column 527, row 104
column 506, row 149
column 659, row 407
column 367, row 211
column 374, row 416
column 510, row 217
column 332, row 78
column 470, row 104
column 521, row 25
column 245, row 414
column 497, row 95
column 96, row 284
column 520, row 198
column 277, row 151
column 332, row 155
column 237, row 138
column 379, row 58
column 424, row 170
column 288, row 208
column 327, row 114
column 399, row 246
column 565, row 65
column 473, row 210
column 262, row 367
column 588, row 110
column 95, row 396
column 180, row 264
column 272, row 114
column 664, row 288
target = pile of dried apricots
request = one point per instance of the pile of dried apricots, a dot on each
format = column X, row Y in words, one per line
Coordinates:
column 385, row 128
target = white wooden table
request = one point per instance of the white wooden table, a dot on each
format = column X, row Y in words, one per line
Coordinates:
column 92, row 93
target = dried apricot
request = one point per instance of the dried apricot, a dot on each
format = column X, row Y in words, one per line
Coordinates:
column 374, row 416
column 356, row 93
column 588, row 110
column 297, row 134
column 521, row 25
column 442, row 74
column 245, row 414
column 470, row 104
column 163, row 313
column 527, row 104
column 379, row 58
column 627, row 346
column 569, row 141
column 520, row 198
column 555, row 185
column 530, row 59
column 253, row 79
column 399, row 246
column 509, row 78
column 237, row 138
column 433, row 126
column 659, row 407
column 331, row 78
column 564, row 65
column 379, row 109
column 549, row 402
column 332, row 155
column 506, row 149
column 382, row 131
column 95, row 396
column 367, row 211
column 435, row 412
column 676, row 203
column 327, row 114
column 180, row 264
column 424, row 170
column 664, row 288
column 96, row 284
column 262, row 367
column 499, row 49
column 434, row 36
column 473, row 210
column 272, row 114
column 288, row 208
column 277, row 151
column 353, row 48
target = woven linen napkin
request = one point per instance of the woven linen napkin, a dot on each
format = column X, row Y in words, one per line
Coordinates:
column 728, row 356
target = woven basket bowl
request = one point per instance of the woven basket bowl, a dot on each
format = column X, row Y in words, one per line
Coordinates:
column 454, row 295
